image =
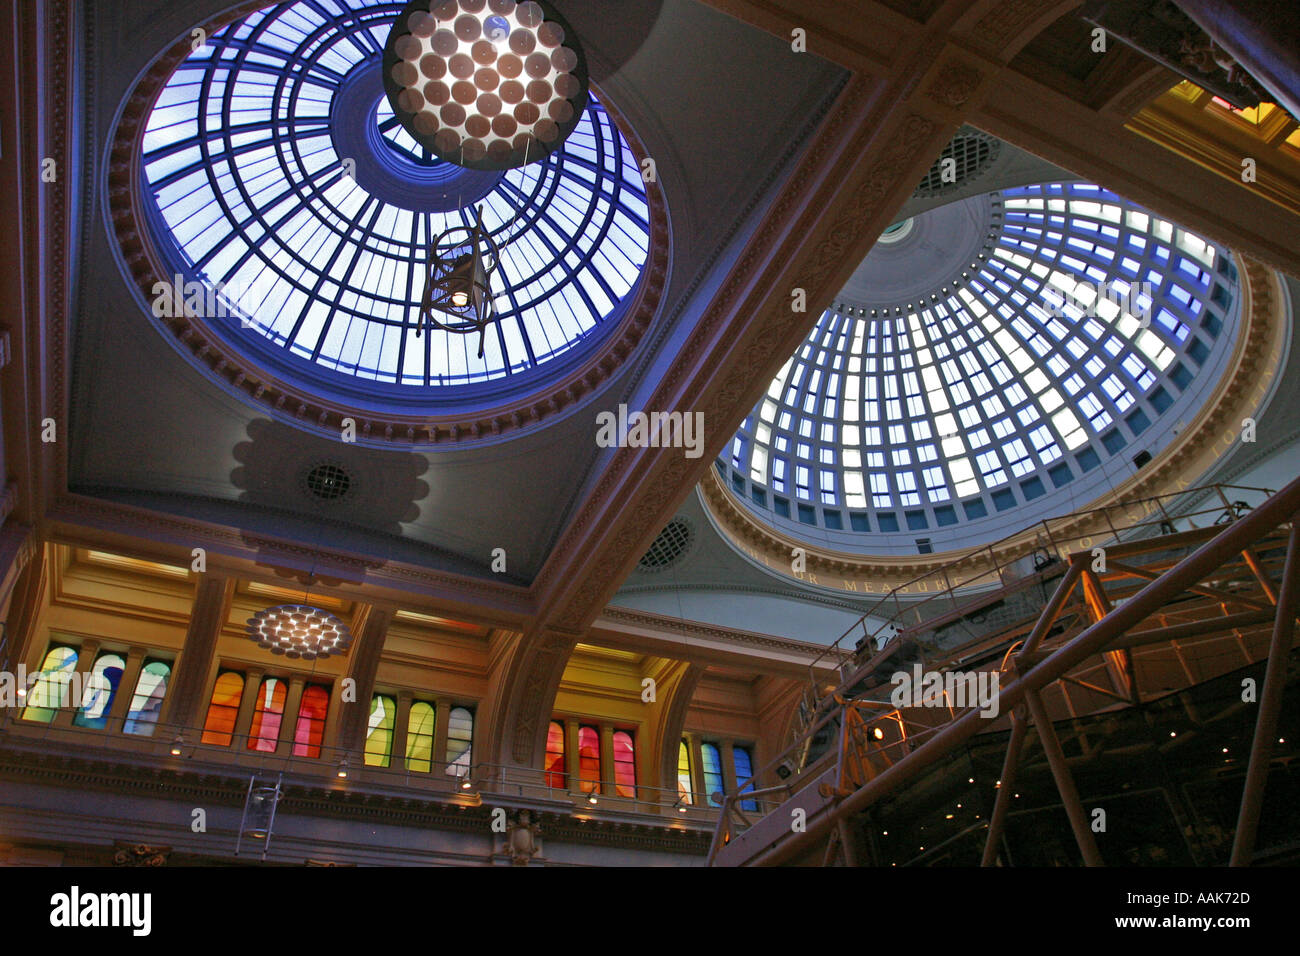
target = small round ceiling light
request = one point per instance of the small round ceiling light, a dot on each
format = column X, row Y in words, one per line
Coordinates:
column 299, row 631
column 485, row 84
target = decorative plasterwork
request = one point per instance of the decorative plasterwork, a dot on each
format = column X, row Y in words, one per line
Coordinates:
column 1215, row 430
column 145, row 269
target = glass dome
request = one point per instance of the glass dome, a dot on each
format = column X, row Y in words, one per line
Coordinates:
column 278, row 177
column 1025, row 350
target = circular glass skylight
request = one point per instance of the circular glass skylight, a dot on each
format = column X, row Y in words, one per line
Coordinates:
column 1019, row 350
column 279, row 178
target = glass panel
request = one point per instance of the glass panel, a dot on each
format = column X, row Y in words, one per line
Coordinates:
column 219, row 727
column 624, row 764
column 146, row 704
column 684, row 789
column 588, row 759
column 268, row 713
column 100, row 690
column 744, row 770
column 460, row 741
column 50, row 690
column 555, row 776
column 419, row 737
column 310, row 729
column 712, row 772
column 379, row 731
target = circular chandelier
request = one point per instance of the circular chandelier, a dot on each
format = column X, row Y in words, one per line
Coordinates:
column 485, row 84
column 458, row 292
column 299, row 631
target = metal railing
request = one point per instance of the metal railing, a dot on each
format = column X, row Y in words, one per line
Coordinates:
column 901, row 610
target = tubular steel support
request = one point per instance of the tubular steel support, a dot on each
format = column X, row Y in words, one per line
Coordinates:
column 1094, row 639
column 1019, row 729
column 1270, row 702
column 1064, row 781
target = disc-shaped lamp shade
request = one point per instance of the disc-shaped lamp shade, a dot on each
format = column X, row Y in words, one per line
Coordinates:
column 485, row 84
column 299, row 631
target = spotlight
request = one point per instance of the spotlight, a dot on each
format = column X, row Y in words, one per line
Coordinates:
column 592, row 799
column 177, row 744
column 877, row 733
column 342, row 771
column 465, row 782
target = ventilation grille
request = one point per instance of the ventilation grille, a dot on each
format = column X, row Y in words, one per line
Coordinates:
column 972, row 154
column 669, row 548
column 328, row 482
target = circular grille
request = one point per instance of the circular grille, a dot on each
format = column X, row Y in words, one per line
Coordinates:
column 970, row 155
column 329, row 482
column 669, row 548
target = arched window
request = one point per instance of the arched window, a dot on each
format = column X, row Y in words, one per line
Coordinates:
column 555, row 776
column 100, row 691
column 146, row 703
column 223, row 709
column 310, row 729
column 712, row 772
column 624, row 764
column 379, row 731
column 460, row 741
column 267, row 715
column 50, row 691
column 588, row 759
column 744, row 770
column 685, row 792
column 420, row 725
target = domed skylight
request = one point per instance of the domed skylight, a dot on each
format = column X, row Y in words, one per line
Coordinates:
column 282, row 180
column 1025, row 349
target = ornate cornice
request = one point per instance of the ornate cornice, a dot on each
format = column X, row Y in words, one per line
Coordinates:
column 1246, row 381
column 144, row 267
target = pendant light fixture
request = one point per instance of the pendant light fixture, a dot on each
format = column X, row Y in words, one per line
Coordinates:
column 458, row 292
column 485, row 84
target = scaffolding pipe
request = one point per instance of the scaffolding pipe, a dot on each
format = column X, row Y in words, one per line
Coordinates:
column 1270, row 702
column 1093, row 640
column 1019, row 728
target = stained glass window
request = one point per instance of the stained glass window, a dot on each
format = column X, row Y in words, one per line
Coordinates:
column 420, row 726
column 624, row 764
column 588, row 759
column 310, row 729
column 744, row 770
column 1082, row 329
column 146, row 704
column 555, row 775
column 684, row 789
column 712, row 772
column 268, row 712
column 223, row 709
column 379, row 731
column 100, row 691
column 49, row 692
column 460, row 741
column 278, row 176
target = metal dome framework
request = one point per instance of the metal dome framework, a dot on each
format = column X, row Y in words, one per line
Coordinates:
column 918, row 423
column 244, row 177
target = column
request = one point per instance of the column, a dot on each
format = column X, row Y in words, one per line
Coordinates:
column 289, row 722
column 126, row 689
column 244, row 721
column 400, row 721
column 441, row 716
column 186, row 703
column 572, row 763
column 363, row 665
column 607, row 761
